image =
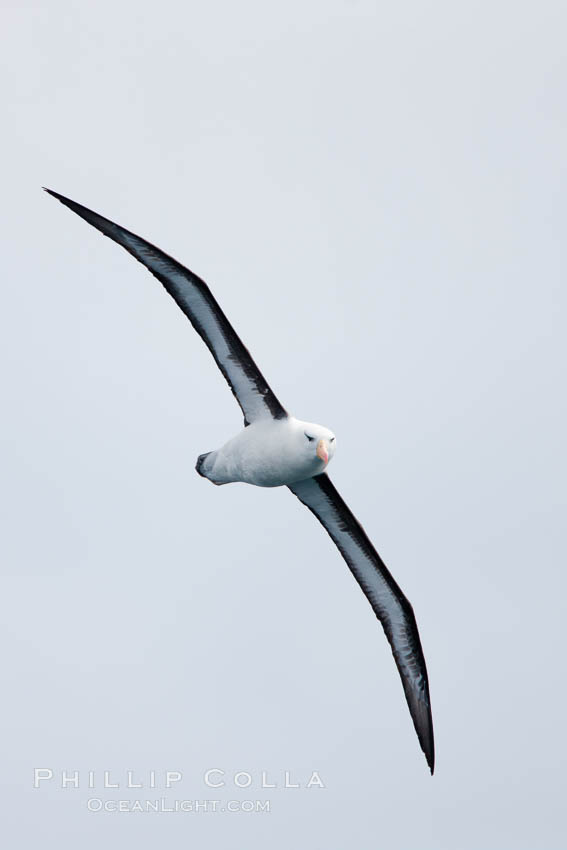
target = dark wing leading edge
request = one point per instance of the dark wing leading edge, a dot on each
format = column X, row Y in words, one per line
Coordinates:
column 197, row 302
column 389, row 603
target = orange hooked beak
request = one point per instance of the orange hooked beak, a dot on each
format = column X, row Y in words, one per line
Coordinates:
column 323, row 451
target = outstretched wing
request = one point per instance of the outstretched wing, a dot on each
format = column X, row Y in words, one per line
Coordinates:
column 389, row 603
column 249, row 386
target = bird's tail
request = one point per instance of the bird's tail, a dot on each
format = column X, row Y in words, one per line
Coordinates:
column 199, row 465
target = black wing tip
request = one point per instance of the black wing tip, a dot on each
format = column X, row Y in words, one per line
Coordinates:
column 67, row 201
column 426, row 742
column 53, row 193
column 420, row 711
column 72, row 205
column 104, row 225
column 428, row 749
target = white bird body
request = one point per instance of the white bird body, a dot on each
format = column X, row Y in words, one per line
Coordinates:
column 270, row 453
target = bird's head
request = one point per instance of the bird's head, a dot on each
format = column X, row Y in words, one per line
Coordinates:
column 318, row 443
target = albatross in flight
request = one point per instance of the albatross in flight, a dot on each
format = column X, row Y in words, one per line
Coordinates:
column 275, row 449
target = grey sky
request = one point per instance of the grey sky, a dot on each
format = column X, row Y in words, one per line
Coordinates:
column 376, row 195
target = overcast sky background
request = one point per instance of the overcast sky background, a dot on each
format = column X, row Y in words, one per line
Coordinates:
column 375, row 193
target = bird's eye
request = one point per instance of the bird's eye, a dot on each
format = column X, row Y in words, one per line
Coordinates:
column 332, row 440
column 310, row 438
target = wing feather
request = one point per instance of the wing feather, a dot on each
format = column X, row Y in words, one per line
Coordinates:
column 250, row 388
column 389, row 603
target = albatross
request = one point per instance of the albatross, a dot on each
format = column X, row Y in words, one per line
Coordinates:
column 275, row 449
